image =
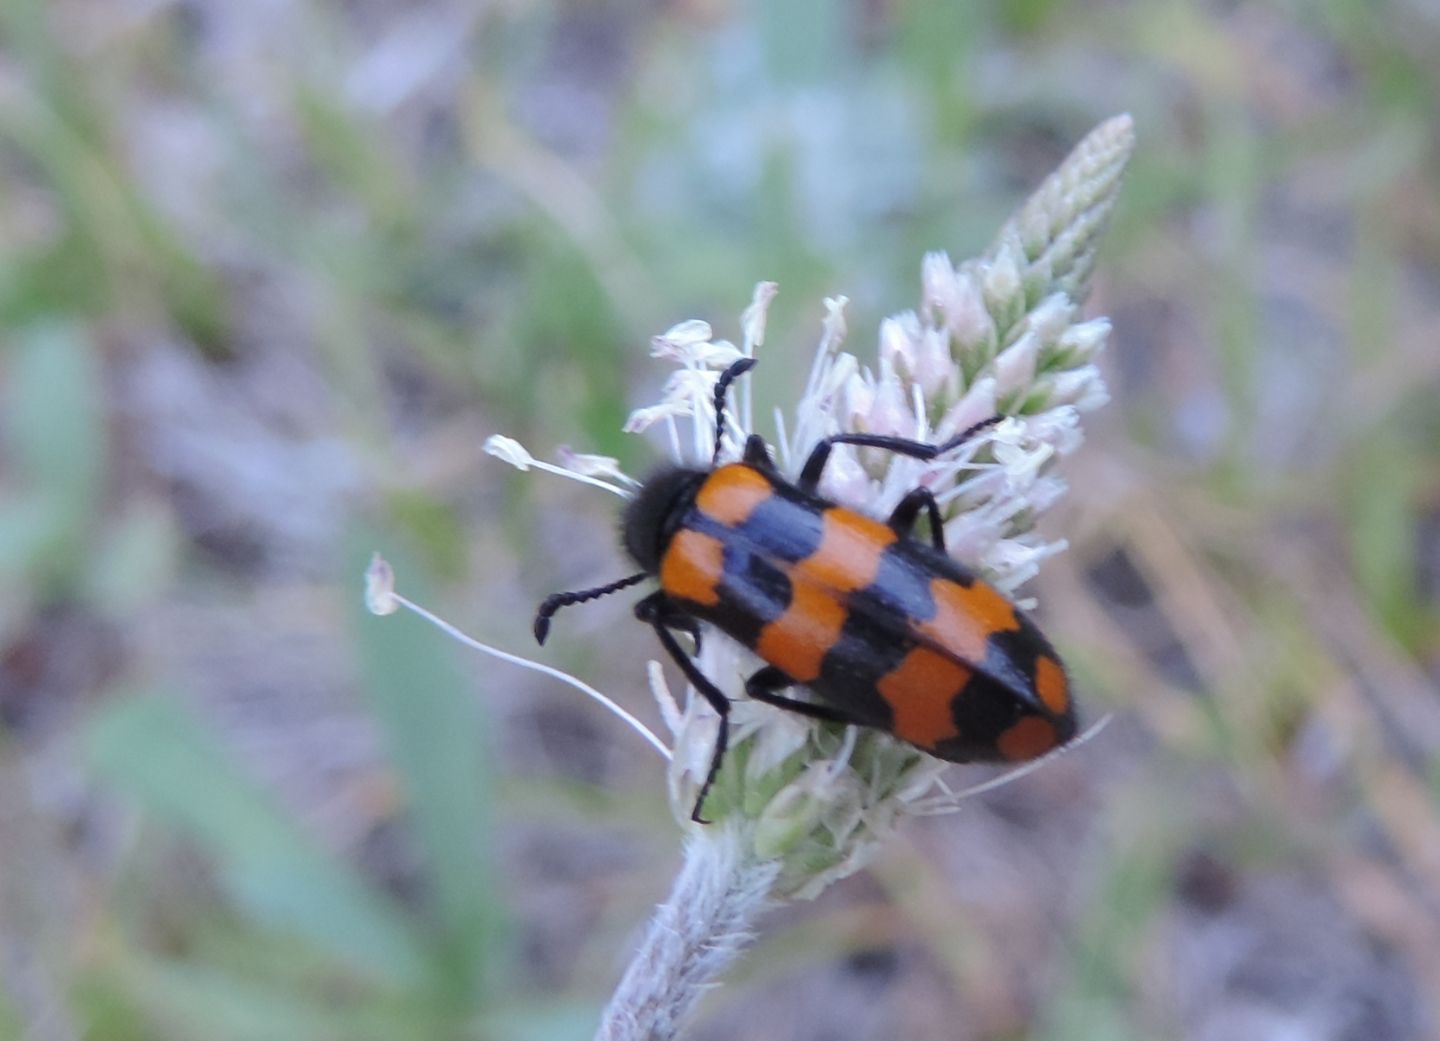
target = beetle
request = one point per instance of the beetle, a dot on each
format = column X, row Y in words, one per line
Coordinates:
column 884, row 629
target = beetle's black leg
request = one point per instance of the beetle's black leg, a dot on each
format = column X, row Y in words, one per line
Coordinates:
column 553, row 603
column 657, row 607
column 682, row 623
column 815, row 466
column 903, row 519
column 820, row 455
column 655, row 610
column 756, row 454
column 765, row 683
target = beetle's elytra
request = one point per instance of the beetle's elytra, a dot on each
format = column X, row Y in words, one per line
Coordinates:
column 885, row 630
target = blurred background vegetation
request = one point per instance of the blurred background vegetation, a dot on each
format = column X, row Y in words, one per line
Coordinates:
column 271, row 272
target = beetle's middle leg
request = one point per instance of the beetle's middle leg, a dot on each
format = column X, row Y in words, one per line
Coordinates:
column 902, row 520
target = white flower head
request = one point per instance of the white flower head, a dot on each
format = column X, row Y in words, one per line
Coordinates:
column 995, row 335
column 969, row 321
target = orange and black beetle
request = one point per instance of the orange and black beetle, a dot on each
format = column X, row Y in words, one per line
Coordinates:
column 887, row 631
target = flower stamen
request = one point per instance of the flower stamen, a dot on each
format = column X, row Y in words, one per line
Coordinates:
column 382, row 599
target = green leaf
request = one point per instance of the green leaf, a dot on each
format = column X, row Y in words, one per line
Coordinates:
column 27, row 535
column 1381, row 492
column 52, row 415
column 222, row 1006
column 197, row 1001
column 1133, row 883
column 135, row 558
column 552, row 1021
column 10, row 1025
column 156, row 753
column 434, row 730
column 804, row 41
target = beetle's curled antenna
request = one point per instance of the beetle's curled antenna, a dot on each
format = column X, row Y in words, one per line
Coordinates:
column 556, row 601
column 722, row 388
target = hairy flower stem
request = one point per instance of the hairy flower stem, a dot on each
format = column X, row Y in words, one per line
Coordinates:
column 720, row 892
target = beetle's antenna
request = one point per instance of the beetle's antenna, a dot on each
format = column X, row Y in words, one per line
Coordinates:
column 966, row 434
column 553, row 603
column 722, row 388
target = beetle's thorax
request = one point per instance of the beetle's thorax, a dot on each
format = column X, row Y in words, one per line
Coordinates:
column 656, row 511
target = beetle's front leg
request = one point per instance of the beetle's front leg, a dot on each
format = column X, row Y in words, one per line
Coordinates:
column 660, row 613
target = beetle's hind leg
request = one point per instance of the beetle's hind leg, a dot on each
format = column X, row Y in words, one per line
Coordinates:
column 657, row 611
column 820, row 454
column 765, row 685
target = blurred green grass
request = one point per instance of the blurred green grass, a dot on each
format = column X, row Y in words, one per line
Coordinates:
column 268, row 277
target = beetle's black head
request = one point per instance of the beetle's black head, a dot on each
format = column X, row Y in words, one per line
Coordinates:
column 655, row 513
